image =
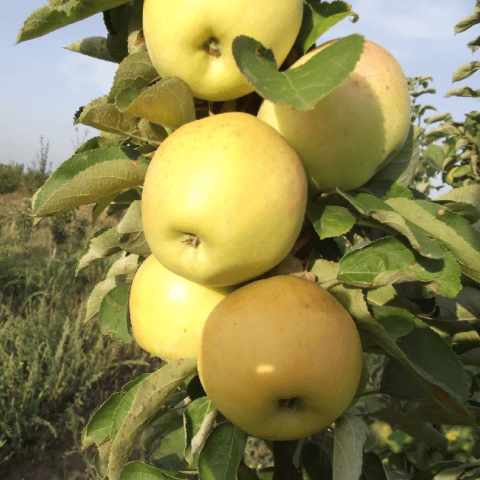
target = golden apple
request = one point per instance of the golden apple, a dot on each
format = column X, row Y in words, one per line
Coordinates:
column 223, row 200
column 280, row 358
column 355, row 130
column 192, row 39
column 168, row 312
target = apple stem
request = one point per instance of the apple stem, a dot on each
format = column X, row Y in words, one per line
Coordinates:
column 284, row 466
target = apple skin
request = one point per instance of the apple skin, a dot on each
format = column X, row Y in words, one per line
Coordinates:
column 356, row 129
column 192, row 39
column 168, row 312
column 224, row 199
column 280, row 358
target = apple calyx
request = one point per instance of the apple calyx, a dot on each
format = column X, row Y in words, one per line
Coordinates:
column 191, row 239
column 294, row 403
column 212, row 47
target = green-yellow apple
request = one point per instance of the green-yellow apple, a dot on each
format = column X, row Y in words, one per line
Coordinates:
column 355, row 130
column 192, row 39
column 223, row 200
column 280, row 358
column 168, row 312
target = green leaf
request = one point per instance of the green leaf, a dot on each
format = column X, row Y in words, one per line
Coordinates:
column 129, row 391
column 372, row 206
column 449, row 470
column 400, row 384
column 102, row 244
column 435, row 156
column 123, row 201
column 117, row 21
column 375, row 333
column 122, row 271
column 464, row 307
column 440, row 117
column 170, row 454
column 467, row 22
column 113, row 313
column 47, row 19
column 140, row 471
column 463, row 92
column 300, row 87
column 222, row 453
column 349, row 440
column 373, row 468
column 318, row 17
column 422, row 431
column 389, row 260
column 315, row 462
column 105, row 116
column 465, row 70
column 87, row 176
column 130, row 229
column 466, row 194
column 150, row 397
column 330, row 220
column 448, row 374
column 451, row 229
column 168, row 102
column 99, row 426
column 136, row 71
column 95, row 47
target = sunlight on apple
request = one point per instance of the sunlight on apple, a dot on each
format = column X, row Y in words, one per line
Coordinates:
column 265, row 368
column 178, row 293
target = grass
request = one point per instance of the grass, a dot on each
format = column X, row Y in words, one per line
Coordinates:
column 56, row 368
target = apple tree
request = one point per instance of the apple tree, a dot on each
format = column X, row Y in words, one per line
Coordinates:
column 404, row 266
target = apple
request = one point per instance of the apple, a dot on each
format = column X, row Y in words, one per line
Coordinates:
column 223, row 200
column 381, row 431
column 280, row 358
column 168, row 312
column 192, row 39
column 353, row 131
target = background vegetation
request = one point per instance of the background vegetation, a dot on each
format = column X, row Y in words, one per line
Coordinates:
column 56, row 368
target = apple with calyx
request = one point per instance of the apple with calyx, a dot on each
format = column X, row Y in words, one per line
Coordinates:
column 280, row 358
column 356, row 129
column 223, row 200
column 167, row 312
column 192, row 39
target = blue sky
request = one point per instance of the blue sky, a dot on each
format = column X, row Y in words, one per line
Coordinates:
column 43, row 84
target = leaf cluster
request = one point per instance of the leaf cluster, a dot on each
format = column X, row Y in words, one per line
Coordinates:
column 452, row 147
column 406, row 267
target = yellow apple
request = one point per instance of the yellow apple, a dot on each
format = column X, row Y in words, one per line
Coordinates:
column 356, row 129
column 192, row 39
column 280, row 358
column 168, row 312
column 223, row 200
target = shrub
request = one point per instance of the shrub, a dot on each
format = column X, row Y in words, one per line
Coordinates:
column 11, row 177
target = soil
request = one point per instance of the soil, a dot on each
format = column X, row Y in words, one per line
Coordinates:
column 64, row 462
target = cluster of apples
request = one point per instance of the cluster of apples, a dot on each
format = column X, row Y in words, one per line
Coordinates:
column 223, row 203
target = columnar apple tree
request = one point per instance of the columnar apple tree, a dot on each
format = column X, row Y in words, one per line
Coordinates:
column 405, row 267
